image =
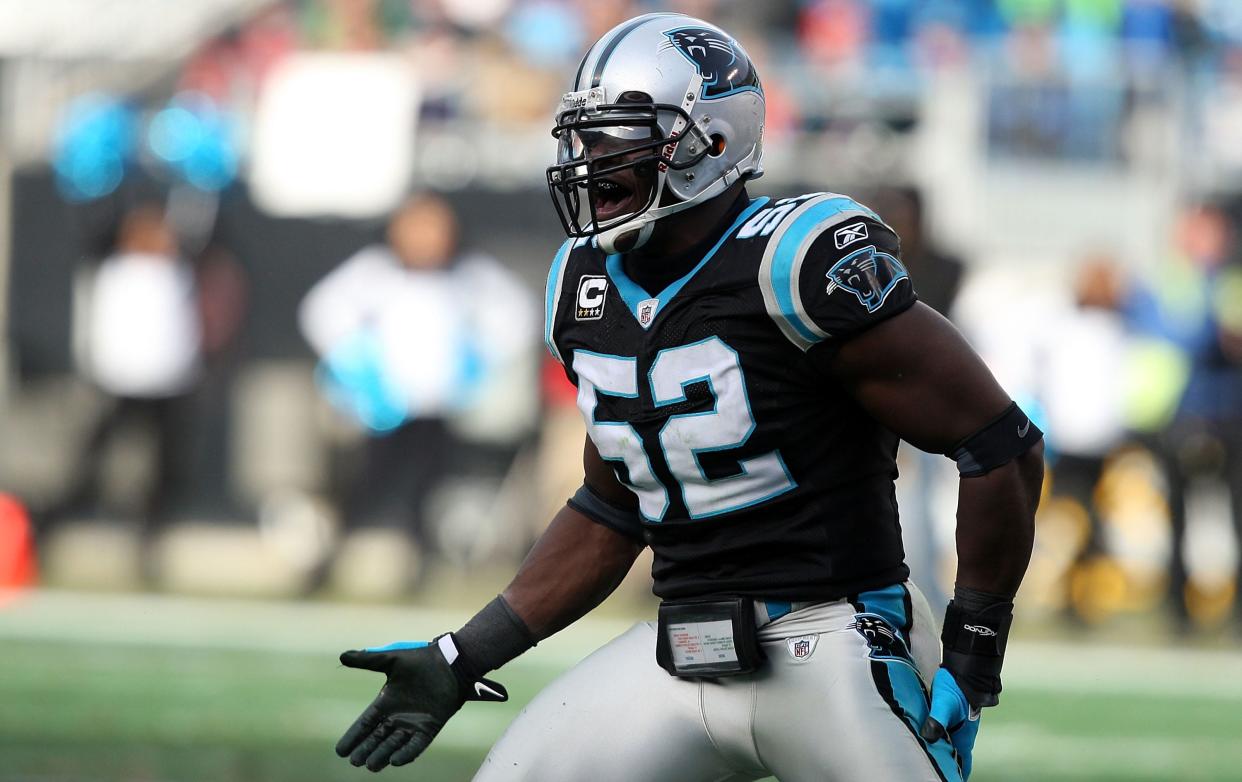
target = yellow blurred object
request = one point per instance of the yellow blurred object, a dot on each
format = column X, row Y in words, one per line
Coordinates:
column 1062, row 527
column 1135, row 517
column 1061, row 530
column 1098, row 589
column 1130, row 485
column 1156, row 375
column 1209, row 604
column 1227, row 301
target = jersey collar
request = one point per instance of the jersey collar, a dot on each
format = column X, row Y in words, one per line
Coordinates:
column 644, row 307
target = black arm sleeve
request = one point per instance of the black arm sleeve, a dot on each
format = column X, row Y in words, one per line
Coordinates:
column 599, row 510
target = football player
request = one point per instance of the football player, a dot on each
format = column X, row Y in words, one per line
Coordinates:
column 745, row 367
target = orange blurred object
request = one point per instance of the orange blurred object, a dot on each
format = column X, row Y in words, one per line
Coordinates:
column 17, row 554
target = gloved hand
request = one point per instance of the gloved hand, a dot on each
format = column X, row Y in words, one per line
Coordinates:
column 951, row 716
column 427, row 684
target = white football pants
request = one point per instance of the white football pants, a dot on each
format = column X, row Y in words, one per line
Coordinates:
column 840, row 697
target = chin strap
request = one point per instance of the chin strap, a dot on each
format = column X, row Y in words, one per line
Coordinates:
column 638, row 228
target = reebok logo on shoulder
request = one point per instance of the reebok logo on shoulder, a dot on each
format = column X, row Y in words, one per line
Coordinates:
column 846, row 236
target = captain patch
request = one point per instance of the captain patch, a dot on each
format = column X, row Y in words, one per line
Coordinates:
column 591, row 292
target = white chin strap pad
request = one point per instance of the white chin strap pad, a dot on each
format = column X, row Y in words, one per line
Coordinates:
column 608, row 240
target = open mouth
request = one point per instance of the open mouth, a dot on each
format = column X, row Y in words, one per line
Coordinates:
column 611, row 198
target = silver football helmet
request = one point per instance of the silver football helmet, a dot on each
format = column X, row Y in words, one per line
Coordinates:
column 666, row 112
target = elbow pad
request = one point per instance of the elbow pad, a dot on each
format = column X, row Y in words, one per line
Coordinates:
column 1004, row 439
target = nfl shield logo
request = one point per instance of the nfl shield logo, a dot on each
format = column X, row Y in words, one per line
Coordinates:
column 646, row 311
column 802, row 648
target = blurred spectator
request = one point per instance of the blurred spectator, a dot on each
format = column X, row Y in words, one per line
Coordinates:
column 144, row 352
column 1190, row 305
column 223, row 303
column 1083, row 375
column 937, row 274
column 545, row 32
column 353, row 25
column 230, row 67
column 833, row 33
column 409, row 332
column 600, row 16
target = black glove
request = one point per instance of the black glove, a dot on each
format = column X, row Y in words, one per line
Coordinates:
column 427, row 684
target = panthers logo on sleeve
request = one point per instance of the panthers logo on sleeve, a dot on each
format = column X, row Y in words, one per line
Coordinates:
column 868, row 274
column 716, row 57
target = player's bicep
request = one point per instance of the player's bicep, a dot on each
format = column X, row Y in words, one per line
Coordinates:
column 602, row 479
column 917, row 375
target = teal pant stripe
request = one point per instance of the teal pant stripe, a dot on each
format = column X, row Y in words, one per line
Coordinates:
column 912, row 700
column 890, row 603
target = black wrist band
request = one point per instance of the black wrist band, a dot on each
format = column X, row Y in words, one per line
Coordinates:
column 969, row 599
column 976, row 629
column 493, row 637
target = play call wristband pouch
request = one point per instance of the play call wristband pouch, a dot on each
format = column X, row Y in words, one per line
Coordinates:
column 708, row 638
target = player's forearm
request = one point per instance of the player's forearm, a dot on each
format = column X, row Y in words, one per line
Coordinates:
column 572, row 568
column 996, row 524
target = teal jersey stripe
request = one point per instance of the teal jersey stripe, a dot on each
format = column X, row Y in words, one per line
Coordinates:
column 633, row 294
column 552, row 293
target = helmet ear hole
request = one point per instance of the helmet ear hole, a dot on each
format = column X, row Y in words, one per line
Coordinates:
column 718, row 145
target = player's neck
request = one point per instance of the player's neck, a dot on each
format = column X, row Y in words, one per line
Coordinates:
column 680, row 240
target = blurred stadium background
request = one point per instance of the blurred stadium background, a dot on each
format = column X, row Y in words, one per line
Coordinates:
column 219, row 467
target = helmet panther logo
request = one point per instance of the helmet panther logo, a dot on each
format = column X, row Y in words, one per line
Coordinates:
column 868, row 274
column 723, row 66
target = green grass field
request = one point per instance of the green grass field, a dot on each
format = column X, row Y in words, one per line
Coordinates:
column 153, row 689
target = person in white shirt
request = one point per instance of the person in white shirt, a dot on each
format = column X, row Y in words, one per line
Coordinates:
column 142, row 349
column 407, row 332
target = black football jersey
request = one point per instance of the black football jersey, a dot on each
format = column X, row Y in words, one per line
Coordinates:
column 756, row 474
